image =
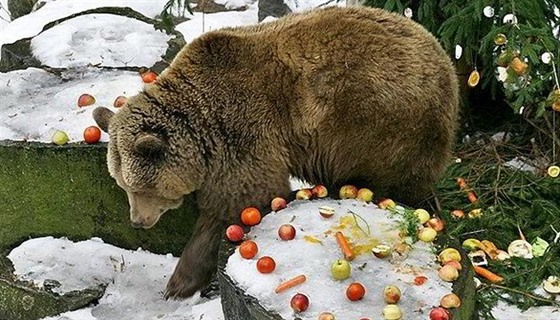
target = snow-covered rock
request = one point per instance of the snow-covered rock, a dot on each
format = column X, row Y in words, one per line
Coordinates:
column 135, row 279
column 100, row 39
column 36, row 103
column 32, row 24
column 305, row 255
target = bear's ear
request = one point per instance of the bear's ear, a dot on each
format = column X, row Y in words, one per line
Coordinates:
column 102, row 117
column 149, row 144
column 217, row 49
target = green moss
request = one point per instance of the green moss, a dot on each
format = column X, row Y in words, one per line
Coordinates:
column 48, row 190
column 67, row 191
column 27, row 303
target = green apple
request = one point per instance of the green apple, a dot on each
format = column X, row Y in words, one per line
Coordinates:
column 60, row 137
column 392, row 312
column 341, row 269
column 365, row 194
column 427, row 234
column 422, row 215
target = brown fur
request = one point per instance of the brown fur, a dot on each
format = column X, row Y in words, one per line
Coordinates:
column 330, row 96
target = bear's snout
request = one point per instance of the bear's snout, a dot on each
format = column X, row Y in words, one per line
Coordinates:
column 146, row 222
column 136, row 224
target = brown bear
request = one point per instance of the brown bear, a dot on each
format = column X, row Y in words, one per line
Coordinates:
column 331, row 96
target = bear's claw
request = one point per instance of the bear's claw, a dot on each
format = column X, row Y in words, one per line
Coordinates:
column 180, row 288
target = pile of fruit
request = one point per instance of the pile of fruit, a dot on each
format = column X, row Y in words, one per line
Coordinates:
column 361, row 250
column 92, row 134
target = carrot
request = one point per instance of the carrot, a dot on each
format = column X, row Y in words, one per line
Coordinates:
column 343, row 243
column 462, row 183
column 290, row 283
column 488, row 275
column 472, row 197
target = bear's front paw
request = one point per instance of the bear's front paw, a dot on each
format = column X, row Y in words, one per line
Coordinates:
column 180, row 287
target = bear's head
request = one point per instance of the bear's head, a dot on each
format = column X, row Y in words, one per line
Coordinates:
column 149, row 157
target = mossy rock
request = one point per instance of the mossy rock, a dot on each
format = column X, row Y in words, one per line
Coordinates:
column 18, row 55
column 66, row 191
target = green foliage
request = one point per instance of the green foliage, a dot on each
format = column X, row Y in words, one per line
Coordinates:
column 511, row 200
column 459, row 22
column 173, row 8
column 408, row 222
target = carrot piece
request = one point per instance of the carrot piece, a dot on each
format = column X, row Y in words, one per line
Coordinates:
column 290, row 283
column 472, row 197
column 343, row 243
column 488, row 275
column 462, row 183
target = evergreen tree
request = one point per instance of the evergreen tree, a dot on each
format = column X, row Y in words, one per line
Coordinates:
column 511, row 45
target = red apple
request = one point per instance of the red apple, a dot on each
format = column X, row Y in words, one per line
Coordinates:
column 348, row 192
column 355, row 291
column 458, row 213
column 319, row 191
column 278, row 204
column 455, row 264
column 234, row 233
column 149, row 77
column 448, row 273
column 420, row 280
column 266, row 265
column 120, row 101
column 304, row 194
column 391, row 294
column 450, row 300
column 436, row 224
column 85, row 100
column 92, row 134
column 386, row 204
column 439, row 313
column 287, row 232
column 299, row 302
column 365, row 194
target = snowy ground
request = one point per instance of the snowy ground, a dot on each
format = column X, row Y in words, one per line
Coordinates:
column 100, row 39
column 299, row 256
column 30, row 25
column 36, row 103
column 135, row 279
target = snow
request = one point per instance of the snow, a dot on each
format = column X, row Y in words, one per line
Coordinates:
column 302, row 5
column 523, row 164
column 200, row 23
column 299, row 256
column 32, row 24
column 4, row 14
column 234, row 4
column 135, row 280
column 36, row 103
column 213, row 21
column 100, row 39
